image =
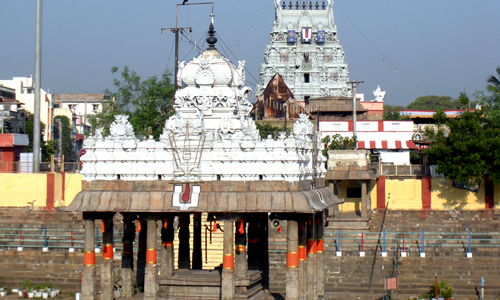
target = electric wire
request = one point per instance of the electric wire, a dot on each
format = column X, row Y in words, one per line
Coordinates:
column 379, row 52
column 195, row 45
column 256, row 81
column 169, row 56
column 252, row 25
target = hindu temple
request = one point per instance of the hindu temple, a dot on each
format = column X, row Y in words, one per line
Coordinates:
column 212, row 172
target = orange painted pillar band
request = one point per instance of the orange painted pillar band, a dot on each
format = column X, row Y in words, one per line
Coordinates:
column 302, row 253
column 240, row 248
column 168, row 244
column 107, row 251
column 292, row 259
column 89, row 258
column 320, row 246
column 127, row 248
column 311, row 247
column 151, row 256
column 228, row 262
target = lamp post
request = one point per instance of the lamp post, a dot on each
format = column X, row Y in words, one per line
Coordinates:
column 354, row 131
column 38, row 82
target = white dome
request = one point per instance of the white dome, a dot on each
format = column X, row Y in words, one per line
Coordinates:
column 209, row 68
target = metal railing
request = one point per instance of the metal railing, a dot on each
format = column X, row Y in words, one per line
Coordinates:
column 45, row 167
column 402, row 170
column 417, row 242
column 389, row 241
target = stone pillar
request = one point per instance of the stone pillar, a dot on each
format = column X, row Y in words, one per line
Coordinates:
column 167, row 249
column 88, row 271
column 142, row 228
column 302, row 257
column 240, row 259
column 320, row 254
column 107, row 283
column 334, row 210
column 292, row 261
column 311, row 258
column 128, row 256
column 197, row 251
column 151, row 273
column 184, row 260
column 227, row 282
column 364, row 200
column 264, row 247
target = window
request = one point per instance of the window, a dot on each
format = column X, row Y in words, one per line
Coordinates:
column 354, row 192
column 306, row 77
column 95, row 107
column 306, row 99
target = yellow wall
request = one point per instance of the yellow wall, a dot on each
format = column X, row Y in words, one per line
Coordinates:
column 403, row 194
column 407, row 194
column 73, row 186
column 57, row 188
column 448, row 197
column 18, row 189
column 350, row 204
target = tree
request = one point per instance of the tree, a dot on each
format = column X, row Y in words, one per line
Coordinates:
column 434, row 103
column 67, row 142
column 148, row 102
column 470, row 151
column 395, row 115
column 490, row 104
column 338, row 142
column 47, row 148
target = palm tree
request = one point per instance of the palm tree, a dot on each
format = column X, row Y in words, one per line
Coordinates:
column 494, row 83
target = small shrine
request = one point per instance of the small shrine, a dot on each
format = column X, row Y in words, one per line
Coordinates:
column 210, row 161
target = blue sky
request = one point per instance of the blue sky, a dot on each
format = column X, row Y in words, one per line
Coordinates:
column 409, row 48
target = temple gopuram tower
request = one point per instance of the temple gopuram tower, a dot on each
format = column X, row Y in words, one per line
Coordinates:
column 304, row 48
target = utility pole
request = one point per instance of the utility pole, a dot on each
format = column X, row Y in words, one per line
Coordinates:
column 38, row 82
column 354, row 131
column 176, row 30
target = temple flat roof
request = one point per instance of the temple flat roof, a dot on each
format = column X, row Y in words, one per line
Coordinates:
column 249, row 198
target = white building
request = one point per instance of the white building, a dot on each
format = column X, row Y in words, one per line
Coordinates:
column 391, row 139
column 25, row 93
column 81, row 105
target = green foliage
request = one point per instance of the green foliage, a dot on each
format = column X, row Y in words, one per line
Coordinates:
column 266, row 129
column 434, row 103
column 391, row 114
column 338, row 142
column 48, row 148
column 490, row 104
column 443, row 290
column 148, row 102
column 469, row 151
column 67, row 142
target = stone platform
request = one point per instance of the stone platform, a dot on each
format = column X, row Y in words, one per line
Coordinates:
column 206, row 284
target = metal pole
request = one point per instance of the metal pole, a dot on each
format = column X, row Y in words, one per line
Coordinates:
column 176, row 58
column 482, row 287
column 436, row 285
column 38, row 82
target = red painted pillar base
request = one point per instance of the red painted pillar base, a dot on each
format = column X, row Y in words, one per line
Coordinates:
column 489, row 194
column 50, row 191
column 426, row 192
column 381, row 192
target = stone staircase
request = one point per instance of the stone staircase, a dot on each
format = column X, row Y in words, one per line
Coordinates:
column 445, row 248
